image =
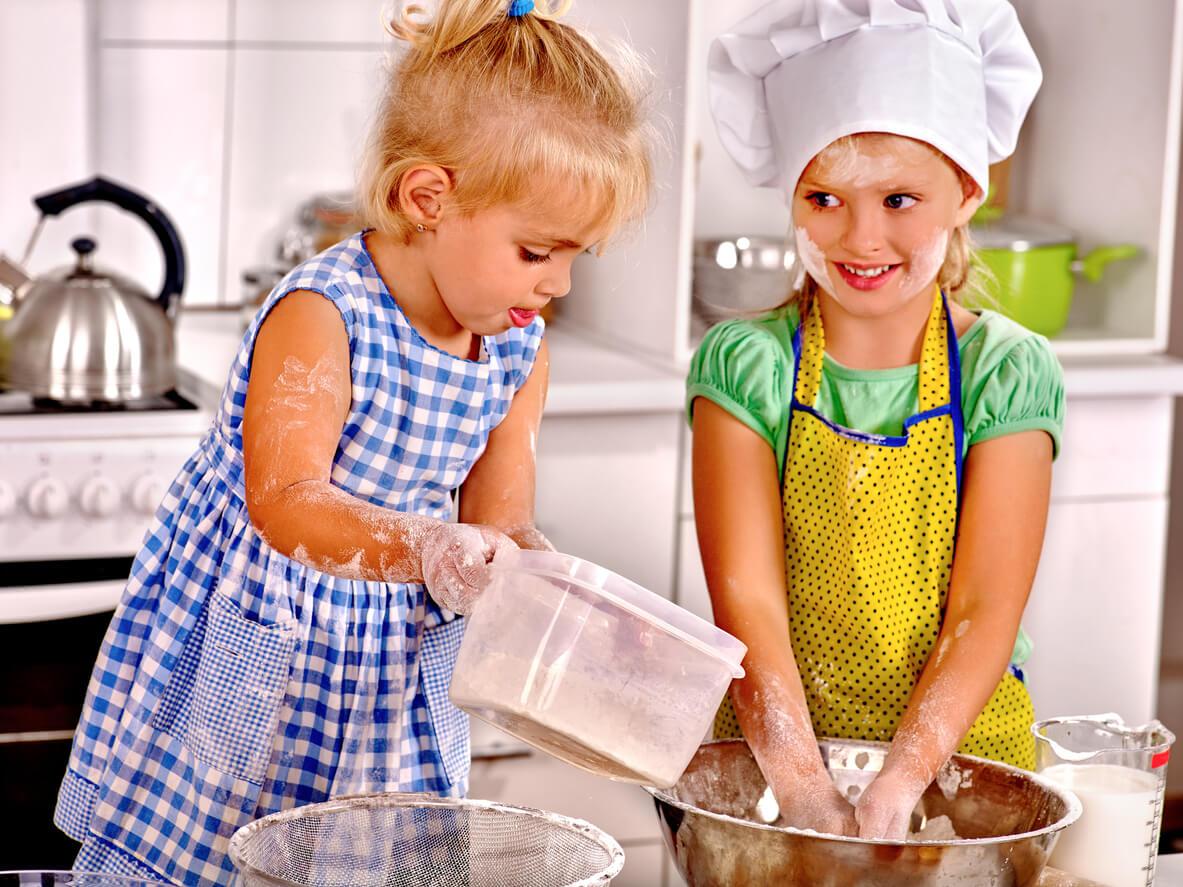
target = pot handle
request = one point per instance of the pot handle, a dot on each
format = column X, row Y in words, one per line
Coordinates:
column 1093, row 265
column 101, row 189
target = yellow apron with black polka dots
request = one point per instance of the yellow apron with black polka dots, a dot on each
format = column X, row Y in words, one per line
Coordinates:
column 870, row 524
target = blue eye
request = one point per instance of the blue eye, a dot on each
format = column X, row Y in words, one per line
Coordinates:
column 532, row 258
column 899, row 201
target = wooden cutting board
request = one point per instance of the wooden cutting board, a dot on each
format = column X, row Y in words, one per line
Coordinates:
column 1055, row 878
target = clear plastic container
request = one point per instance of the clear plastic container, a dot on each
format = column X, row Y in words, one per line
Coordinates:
column 592, row 668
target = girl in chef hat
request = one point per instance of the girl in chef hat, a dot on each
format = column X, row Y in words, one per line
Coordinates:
column 290, row 626
column 872, row 460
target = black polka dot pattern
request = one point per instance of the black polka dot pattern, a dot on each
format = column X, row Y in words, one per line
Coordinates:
column 869, row 532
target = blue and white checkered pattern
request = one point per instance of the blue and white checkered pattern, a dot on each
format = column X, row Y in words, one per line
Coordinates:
column 234, row 682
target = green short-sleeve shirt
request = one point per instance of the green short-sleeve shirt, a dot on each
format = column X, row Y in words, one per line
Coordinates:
column 1010, row 381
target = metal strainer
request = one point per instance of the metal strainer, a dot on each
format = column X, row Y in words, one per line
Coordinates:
column 416, row 840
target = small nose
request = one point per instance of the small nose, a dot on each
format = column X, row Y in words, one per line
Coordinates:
column 557, row 282
column 864, row 230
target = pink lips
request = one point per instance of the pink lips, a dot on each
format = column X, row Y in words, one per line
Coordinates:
column 866, row 283
column 522, row 316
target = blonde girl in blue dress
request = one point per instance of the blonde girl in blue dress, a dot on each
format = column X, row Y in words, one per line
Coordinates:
column 289, row 628
column 872, row 461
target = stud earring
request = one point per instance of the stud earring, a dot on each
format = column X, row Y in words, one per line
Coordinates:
column 420, row 228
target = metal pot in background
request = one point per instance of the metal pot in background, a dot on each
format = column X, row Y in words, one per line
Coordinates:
column 319, row 222
column 742, row 275
column 1033, row 264
column 81, row 334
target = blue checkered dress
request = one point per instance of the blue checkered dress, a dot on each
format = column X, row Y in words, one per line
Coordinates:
column 234, row 682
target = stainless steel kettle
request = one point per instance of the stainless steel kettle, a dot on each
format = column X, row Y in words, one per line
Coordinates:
column 80, row 334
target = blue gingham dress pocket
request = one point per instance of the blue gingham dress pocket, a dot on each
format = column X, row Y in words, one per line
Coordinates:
column 450, row 724
column 225, row 698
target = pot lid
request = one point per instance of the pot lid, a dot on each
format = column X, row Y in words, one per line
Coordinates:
column 1020, row 234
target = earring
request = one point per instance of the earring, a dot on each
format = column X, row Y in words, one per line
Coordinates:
column 420, row 228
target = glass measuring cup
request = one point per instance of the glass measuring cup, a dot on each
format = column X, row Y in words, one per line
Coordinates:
column 1119, row 774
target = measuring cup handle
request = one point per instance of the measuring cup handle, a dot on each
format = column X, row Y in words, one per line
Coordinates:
column 101, row 189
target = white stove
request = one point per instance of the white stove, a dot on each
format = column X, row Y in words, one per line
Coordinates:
column 78, row 488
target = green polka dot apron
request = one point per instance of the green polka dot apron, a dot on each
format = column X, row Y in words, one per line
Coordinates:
column 870, row 524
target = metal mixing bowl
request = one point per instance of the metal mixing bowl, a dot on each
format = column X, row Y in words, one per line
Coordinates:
column 1008, row 820
column 741, row 276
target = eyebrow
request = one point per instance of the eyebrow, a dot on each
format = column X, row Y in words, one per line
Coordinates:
column 557, row 241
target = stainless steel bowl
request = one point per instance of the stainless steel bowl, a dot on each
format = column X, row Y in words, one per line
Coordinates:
column 1008, row 820
column 741, row 275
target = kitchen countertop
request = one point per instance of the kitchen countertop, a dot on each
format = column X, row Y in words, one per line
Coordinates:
column 1168, row 873
column 590, row 377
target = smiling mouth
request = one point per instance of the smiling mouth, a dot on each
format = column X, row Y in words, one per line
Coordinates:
column 866, row 272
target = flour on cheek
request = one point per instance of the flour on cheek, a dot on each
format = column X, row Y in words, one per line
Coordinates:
column 813, row 260
column 924, row 264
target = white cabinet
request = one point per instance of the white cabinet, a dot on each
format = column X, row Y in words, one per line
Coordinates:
column 1094, row 610
column 606, row 492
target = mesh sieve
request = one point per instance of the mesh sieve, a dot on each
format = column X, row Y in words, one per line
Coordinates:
column 416, row 840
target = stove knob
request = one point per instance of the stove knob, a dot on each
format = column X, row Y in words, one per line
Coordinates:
column 7, row 500
column 146, row 493
column 99, row 497
column 47, row 498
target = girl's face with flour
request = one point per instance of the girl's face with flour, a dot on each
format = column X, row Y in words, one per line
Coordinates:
column 873, row 214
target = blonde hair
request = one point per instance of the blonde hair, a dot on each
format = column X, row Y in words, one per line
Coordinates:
column 959, row 273
column 520, row 110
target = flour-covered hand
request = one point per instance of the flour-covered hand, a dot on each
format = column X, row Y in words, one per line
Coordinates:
column 884, row 810
column 819, row 807
column 455, row 559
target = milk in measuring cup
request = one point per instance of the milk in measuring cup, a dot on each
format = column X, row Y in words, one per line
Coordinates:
column 1113, row 838
column 1119, row 774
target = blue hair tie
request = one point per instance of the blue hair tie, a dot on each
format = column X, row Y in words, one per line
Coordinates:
column 520, row 7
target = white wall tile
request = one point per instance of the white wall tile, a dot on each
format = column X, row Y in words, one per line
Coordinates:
column 299, row 123
column 342, row 21
column 161, row 133
column 44, row 108
column 187, row 20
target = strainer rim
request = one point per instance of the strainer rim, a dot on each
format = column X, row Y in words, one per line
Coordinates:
column 372, row 800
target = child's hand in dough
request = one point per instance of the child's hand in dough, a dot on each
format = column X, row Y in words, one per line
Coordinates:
column 884, row 811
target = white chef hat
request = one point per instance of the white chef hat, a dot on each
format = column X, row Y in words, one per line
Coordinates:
column 798, row 74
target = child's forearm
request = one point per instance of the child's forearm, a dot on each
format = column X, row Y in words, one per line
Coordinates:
column 324, row 527
column 961, row 675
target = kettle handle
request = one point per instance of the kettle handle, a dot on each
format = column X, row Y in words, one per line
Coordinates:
column 101, row 189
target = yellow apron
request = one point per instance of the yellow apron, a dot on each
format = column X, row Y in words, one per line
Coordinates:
column 870, row 524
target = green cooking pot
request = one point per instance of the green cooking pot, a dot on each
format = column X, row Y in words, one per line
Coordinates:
column 1031, row 265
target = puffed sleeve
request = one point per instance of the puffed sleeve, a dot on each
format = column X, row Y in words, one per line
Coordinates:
column 1020, row 387
column 746, row 367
